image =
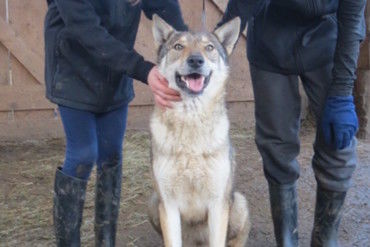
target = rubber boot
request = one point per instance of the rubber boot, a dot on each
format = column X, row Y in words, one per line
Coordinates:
column 69, row 198
column 328, row 213
column 283, row 200
column 107, row 198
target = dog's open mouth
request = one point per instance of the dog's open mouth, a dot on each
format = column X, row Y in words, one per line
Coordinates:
column 193, row 83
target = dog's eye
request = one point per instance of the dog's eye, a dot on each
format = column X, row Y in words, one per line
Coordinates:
column 210, row 48
column 178, row 47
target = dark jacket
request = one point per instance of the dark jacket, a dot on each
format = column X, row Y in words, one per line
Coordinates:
column 293, row 36
column 89, row 55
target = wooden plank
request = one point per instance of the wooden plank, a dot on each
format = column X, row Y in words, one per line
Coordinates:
column 31, row 61
column 221, row 4
column 364, row 58
column 17, row 99
column 35, row 125
column 3, row 67
column 27, row 20
column 2, row 9
column 3, row 53
column 22, row 78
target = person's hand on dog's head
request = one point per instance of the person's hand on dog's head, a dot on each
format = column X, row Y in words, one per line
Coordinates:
column 163, row 95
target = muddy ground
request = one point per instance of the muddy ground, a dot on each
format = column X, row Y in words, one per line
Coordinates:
column 26, row 184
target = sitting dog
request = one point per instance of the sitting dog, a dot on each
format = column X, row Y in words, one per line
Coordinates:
column 193, row 164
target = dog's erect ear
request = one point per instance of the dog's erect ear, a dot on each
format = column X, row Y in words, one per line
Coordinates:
column 161, row 30
column 228, row 34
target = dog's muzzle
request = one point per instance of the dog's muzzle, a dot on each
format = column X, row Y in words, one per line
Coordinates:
column 193, row 83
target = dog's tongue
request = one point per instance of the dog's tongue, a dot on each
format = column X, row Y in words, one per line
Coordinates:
column 195, row 84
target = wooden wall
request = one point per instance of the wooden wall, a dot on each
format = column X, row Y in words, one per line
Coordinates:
column 362, row 86
column 24, row 111
column 23, row 108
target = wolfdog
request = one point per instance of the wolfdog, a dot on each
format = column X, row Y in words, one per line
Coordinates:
column 192, row 159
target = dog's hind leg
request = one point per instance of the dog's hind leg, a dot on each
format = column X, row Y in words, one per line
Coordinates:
column 153, row 212
column 239, row 222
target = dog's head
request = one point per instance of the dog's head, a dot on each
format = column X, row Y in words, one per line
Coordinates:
column 195, row 63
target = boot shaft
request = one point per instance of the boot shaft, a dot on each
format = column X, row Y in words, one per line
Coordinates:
column 107, row 201
column 284, row 210
column 328, row 214
column 69, row 198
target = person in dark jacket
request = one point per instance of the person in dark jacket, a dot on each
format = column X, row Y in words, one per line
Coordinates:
column 89, row 65
column 317, row 41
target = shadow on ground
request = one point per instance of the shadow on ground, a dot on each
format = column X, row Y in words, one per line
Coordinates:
column 26, row 184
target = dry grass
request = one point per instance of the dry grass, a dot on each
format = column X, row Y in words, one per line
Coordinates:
column 26, row 189
column 25, row 202
column 27, row 182
column 27, row 174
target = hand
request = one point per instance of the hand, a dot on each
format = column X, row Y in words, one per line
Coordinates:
column 339, row 121
column 163, row 95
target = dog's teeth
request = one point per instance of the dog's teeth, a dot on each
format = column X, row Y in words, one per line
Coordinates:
column 183, row 78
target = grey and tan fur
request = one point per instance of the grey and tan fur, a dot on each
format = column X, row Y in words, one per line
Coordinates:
column 193, row 203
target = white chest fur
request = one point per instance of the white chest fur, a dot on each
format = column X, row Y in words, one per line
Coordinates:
column 191, row 156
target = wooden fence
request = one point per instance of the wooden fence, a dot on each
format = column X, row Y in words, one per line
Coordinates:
column 26, row 114
column 24, row 111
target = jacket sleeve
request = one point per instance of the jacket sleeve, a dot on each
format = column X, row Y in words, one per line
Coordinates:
column 168, row 10
column 83, row 24
column 242, row 8
column 351, row 31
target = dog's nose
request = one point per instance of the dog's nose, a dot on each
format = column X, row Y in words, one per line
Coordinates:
column 195, row 61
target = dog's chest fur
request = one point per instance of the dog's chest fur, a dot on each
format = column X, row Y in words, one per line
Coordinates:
column 191, row 156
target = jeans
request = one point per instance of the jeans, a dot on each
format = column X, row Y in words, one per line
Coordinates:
column 92, row 138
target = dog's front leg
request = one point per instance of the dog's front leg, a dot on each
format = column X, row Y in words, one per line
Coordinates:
column 218, row 218
column 170, row 224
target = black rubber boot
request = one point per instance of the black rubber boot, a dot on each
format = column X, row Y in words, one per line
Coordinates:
column 283, row 200
column 107, row 198
column 328, row 213
column 69, row 198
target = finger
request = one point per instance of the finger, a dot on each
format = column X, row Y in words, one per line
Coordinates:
column 338, row 142
column 326, row 130
column 352, row 132
column 159, row 103
column 162, row 102
column 163, row 86
column 169, row 97
column 166, row 90
column 346, row 140
column 162, row 79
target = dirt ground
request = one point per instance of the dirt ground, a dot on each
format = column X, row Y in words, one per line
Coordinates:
column 26, row 184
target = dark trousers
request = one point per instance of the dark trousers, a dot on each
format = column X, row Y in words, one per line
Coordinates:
column 91, row 139
column 277, row 112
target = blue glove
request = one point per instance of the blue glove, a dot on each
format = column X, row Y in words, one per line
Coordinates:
column 339, row 121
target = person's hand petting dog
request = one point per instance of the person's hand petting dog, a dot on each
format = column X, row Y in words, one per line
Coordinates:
column 163, row 95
